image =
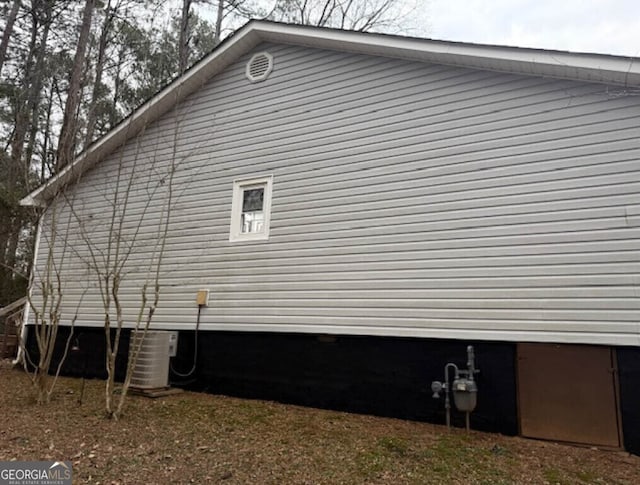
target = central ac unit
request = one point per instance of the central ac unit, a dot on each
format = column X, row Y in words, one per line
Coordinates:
column 152, row 366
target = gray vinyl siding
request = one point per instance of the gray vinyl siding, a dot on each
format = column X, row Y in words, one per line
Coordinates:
column 408, row 199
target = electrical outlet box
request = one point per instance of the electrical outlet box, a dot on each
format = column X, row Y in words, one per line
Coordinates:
column 202, row 298
column 173, row 344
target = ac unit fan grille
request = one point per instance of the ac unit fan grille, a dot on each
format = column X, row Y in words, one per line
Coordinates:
column 152, row 365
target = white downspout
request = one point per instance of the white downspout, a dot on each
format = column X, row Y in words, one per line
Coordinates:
column 27, row 307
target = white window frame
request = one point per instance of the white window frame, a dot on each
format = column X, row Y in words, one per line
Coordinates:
column 239, row 186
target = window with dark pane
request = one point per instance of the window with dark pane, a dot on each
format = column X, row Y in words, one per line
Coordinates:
column 253, row 210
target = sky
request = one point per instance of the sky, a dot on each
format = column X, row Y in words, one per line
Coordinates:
column 595, row 26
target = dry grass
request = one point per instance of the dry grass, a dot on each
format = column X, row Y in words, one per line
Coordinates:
column 200, row 438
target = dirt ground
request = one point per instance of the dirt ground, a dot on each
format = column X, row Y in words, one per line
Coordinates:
column 201, row 438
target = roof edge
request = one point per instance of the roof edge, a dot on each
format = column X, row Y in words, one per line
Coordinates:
column 598, row 68
column 232, row 47
column 587, row 67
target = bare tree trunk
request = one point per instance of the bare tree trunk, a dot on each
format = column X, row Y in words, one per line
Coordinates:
column 327, row 11
column 36, row 88
column 46, row 139
column 345, row 13
column 104, row 281
column 5, row 219
column 111, row 365
column 143, row 322
column 25, row 131
column 66, row 145
column 8, row 29
column 219, row 17
column 47, row 315
column 14, row 171
column 117, row 85
column 109, row 13
column 109, row 266
column 10, row 246
column 22, row 117
column 183, row 48
column 46, row 310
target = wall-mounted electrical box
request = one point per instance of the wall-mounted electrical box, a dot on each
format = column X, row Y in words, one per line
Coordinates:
column 173, row 344
column 202, row 298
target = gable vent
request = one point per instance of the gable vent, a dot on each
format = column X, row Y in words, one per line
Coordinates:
column 259, row 67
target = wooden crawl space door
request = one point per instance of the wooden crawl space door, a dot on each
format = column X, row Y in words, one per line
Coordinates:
column 568, row 393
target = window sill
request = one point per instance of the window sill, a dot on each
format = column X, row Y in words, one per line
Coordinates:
column 249, row 237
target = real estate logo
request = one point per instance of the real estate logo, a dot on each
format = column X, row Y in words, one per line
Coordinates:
column 35, row 473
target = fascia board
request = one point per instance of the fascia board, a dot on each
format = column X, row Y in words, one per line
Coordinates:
column 599, row 68
column 617, row 70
